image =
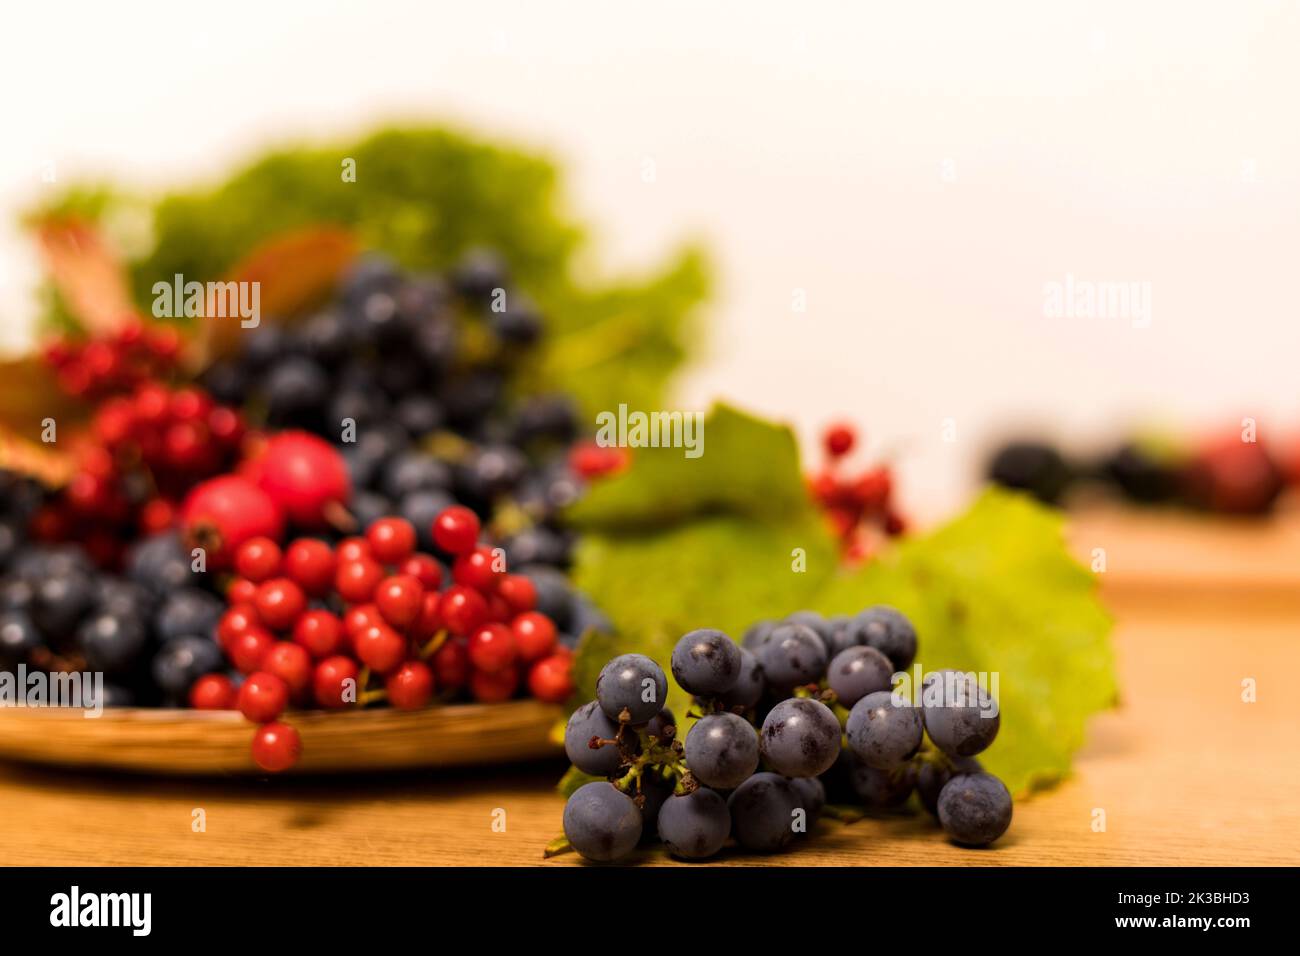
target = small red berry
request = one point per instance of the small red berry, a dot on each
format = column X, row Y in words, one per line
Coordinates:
column 551, row 679
column 258, row 559
column 330, row 682
column 424, row 569
column 429, row 621
column 235, row 621
column 399, row 599
column 225, row 426
column 213, row 692
column 276, row 747
column 492, row 648
column 263, row 697
column 292, row 664
column 590, row 460
column 451, row 664
column 518, row 591
column 241, row 591
column 359, row 617
column 392, row 540
column 494, row 688
column 319, row 633
column 480, row 569
column 839, row 440
column 463, row 609
column 190, row 405
column 280, row 602
column 156, row 516
column 534, row 635
column 352, row 549
column 410, row 687
column 248, row 648
column 310, row 562
column 456, row 529
column 380, row 647
column 356, row 580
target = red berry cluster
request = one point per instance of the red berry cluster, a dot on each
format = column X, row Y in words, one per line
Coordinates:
column 144, row 450
column 396, row 632
column 94, row 368
column 859, row 506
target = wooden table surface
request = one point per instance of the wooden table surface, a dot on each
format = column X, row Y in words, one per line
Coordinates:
column 1185, row 771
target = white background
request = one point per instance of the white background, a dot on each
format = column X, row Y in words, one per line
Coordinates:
column 807, row 143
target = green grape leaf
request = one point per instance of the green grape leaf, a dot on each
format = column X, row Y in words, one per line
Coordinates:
column 729, row 538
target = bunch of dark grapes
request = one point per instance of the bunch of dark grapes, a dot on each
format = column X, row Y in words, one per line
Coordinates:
column 149, row 631
column 804, row 709
column 411, row 377
column 1222, row 475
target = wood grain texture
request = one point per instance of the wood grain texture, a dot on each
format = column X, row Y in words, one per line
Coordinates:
column 1185, row 771
column 186, row 742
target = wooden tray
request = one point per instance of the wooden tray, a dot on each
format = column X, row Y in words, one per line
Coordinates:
column 190, row 742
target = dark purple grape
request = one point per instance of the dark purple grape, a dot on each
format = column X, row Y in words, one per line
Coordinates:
column 800, row 737
column 695, row 825
column 706, row 662
column 763, row 812
column 601, row 822
column 858, row 671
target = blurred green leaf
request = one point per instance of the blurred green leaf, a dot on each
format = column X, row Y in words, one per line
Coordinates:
column 425, row 196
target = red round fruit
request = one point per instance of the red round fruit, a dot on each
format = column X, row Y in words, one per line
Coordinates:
column 839, row 440
column 247, row 649
column 492, row 648
column 494, row 688
column 480, row 569
column 451, row 664
column 280, row 602
column 225, row 426
column 258, row 559
column 310, row 562
column 292, row 664
column 399, row 599
column 276, row 747
column 410, row 687
column 190, row 404
column 356, row 580
column 463, row 609
column 518, row 591
column 429, row 621
column 380, row 647
column 263, row 697
column 241, row 591
column 305, row 475
column 534, row 635
column 330, row 682
column 456, row 529
column 222, row 513
column 590, row 460
column 551, row 679
column 359, row 617
column 157, row 516
column 424, row 569
column 351, row 549
column 213, row 692
column 319, row 633
column 235, row 621
column 392, row 540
